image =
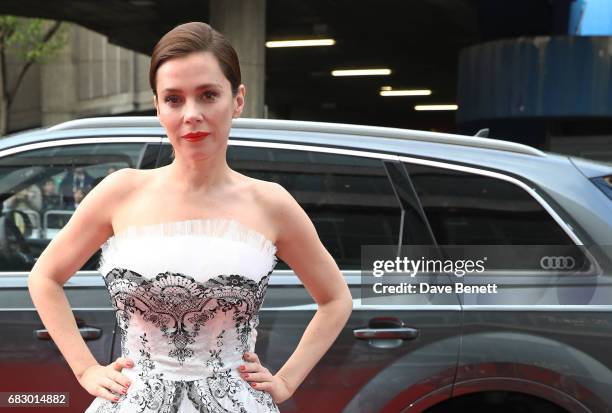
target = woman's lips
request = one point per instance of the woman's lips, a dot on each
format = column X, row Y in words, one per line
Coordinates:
column 195, row 136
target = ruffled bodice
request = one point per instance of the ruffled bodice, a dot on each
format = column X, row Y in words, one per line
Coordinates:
column 187, row 295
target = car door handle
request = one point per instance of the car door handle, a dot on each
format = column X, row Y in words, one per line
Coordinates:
column 88, row 333
column 403, row 333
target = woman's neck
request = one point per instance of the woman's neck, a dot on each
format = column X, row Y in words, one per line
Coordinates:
column 202, row 175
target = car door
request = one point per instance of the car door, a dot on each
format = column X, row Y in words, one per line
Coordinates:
column 545, row 333
column 354, row 198
column 38, row 189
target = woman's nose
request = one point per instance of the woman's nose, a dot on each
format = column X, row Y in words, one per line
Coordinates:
column 193, row 113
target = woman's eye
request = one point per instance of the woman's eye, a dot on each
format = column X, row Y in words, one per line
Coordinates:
column 172, row 99
column 210, row 95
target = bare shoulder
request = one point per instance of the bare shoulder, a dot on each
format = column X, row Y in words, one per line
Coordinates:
column 272, row 196
column 115, row 190
column 284, row 213
column 121, row 182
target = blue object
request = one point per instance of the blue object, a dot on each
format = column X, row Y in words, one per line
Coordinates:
column 561, row 76
column 591, row 18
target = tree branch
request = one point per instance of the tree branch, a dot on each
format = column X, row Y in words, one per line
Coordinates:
column 52, row 31
column 10, row 96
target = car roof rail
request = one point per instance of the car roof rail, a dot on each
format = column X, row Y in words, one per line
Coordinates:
column 320, row 127
column 109, row 122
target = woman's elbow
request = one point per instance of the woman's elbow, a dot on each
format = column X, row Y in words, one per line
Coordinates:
column 346, row 303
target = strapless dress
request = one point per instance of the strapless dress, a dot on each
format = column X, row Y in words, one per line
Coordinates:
column 186, row 295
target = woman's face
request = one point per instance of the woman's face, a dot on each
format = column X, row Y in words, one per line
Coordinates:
column 194, row 100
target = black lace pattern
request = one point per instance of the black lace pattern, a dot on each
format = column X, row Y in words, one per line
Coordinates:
column 179, row 307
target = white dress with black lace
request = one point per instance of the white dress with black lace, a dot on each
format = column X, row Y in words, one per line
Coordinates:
column 186, row 296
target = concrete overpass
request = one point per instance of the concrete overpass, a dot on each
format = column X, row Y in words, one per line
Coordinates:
column 419, row 40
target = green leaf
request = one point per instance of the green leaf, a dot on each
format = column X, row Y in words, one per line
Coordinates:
column 28, row 37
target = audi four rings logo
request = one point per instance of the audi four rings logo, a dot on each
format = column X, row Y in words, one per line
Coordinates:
column 557, row 263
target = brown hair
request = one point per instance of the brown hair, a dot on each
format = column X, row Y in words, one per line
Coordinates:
column 196, row 37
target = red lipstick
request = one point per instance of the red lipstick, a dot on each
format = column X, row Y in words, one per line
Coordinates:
column 195, row 136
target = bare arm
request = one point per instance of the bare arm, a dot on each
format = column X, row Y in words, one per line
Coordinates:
column 300, row 247
column 87, row 229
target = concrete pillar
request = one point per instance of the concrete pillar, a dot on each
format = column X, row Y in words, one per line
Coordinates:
column 143, row 96
column 59, row 83
column 243, row 22
column 91, row 77
column 24, row 112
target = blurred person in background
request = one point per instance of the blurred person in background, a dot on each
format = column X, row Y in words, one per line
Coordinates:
column 50, row 197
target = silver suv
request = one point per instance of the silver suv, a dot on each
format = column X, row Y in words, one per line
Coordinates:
column 541, row 346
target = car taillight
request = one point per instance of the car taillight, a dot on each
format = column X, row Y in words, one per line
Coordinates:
column 605, row 184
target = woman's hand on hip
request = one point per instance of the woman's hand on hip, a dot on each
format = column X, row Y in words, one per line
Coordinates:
column 260, row 378
column 102, row 381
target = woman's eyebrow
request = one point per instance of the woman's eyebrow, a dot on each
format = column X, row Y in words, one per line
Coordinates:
column 207, row 85
column 203, row 86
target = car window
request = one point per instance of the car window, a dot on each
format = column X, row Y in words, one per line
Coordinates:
column 469, row 209
column 40, row 189
column 349, row 199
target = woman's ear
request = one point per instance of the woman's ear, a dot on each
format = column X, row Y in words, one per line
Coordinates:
column 239, row 101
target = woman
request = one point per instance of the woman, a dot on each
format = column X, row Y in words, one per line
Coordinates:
column 187, row 250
